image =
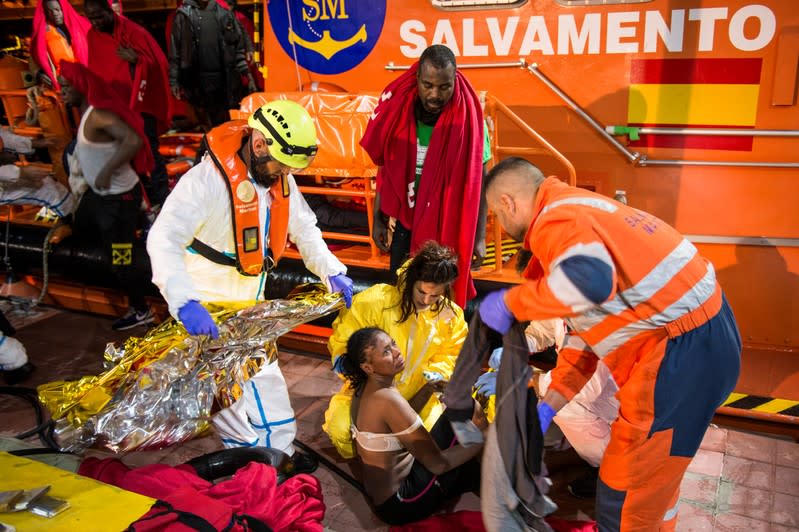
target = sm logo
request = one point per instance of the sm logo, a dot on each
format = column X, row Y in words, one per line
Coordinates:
column 327, row 36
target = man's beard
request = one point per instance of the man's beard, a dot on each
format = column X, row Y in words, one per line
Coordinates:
column 259, row 169
column 523, row 258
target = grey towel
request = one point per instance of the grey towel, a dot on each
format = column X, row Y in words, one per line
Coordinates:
column 520, row 441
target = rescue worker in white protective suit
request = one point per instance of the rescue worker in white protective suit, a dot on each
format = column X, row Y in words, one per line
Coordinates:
column 14, row 364
column 228, row 219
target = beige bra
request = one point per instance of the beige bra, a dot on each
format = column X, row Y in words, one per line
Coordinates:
column 383, row 443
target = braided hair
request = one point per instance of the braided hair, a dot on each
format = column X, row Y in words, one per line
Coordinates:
column 433, row 263
column 357, row 345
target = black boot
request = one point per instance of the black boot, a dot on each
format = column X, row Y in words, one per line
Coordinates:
column 15, row 376
column 302, row 463
column 585, row 486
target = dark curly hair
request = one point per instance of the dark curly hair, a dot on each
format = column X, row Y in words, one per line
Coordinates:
column 357, row 344
column 433, row 263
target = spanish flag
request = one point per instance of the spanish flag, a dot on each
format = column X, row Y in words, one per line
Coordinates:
column 694, row 93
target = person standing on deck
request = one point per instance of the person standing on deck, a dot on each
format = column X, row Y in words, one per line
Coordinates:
column 639, row 299
column 428, row 137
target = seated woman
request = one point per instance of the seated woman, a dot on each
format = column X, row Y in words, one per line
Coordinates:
column 419, row 313
column 408, row 472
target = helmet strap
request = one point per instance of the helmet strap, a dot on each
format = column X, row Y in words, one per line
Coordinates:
column 285, row 147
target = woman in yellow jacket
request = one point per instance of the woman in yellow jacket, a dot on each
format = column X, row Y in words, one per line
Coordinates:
column 427, row 325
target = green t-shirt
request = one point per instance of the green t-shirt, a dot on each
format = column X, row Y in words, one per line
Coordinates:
column 423, row 134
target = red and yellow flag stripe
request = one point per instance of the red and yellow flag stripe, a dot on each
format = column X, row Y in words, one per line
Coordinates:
column 694, row 93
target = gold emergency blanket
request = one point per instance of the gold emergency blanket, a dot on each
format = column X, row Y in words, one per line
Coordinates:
column 160, row 389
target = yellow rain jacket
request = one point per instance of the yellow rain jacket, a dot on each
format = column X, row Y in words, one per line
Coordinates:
column 429, row 342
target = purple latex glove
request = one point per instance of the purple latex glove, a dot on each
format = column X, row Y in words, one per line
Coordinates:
column 197, row 320
column 495, row 313
column 495, row 359
column 342, row 283
column 487, row 384
column 545, row 415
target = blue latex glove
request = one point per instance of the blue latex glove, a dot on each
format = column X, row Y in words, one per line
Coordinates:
column 545, row 415
column 197, row 320
column 495, row 313
column 342, row 283
column 487, row 384
column 338, row 365
column 495, row 358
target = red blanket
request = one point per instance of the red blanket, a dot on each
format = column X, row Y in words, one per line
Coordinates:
column 77, row 26
column 148, row 90
column 100, row 95
column 471, row 521
column 448, row 199
column 296, row 504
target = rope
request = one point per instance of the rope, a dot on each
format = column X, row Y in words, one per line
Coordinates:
column 45, row 264
column 294, row 47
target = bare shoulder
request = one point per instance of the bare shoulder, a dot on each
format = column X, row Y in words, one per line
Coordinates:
column 101, row 117
column 394, row 408
column 388, row 396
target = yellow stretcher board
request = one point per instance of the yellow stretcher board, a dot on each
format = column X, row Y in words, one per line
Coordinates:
column 93, row 504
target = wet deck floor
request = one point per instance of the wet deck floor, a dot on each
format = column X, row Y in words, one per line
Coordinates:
column 737, row 482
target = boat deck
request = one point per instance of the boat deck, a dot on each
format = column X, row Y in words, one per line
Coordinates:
column 737, row 482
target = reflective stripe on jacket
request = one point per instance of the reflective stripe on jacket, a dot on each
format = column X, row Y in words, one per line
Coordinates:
column 612, row 271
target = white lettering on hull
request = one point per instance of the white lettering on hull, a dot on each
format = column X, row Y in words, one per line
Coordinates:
column 750, row 28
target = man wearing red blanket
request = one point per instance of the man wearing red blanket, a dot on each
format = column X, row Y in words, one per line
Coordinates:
column 427, row 136
column 132, row 63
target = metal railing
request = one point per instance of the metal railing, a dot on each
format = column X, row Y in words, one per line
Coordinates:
column 495, row 113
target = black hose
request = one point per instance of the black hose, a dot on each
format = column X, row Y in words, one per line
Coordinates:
column 331, row 466
column 44, row 428
column 226, row 462
column 36, row 451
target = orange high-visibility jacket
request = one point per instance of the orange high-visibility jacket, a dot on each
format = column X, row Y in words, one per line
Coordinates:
column 615, row 273
column 58, row 48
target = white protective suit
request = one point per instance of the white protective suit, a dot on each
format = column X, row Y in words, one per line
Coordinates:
column 585, row 420
column 12, row 353
column 199, row 206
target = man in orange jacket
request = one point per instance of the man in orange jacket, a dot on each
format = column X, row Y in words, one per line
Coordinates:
column 637, row 297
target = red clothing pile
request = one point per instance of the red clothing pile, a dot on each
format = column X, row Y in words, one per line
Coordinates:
column 471, row 521
column 294, row 505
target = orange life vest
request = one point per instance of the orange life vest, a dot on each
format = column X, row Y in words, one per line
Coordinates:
column 224, row 143
column 58, row 48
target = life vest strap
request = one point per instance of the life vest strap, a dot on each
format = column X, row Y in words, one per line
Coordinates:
column 217, row 257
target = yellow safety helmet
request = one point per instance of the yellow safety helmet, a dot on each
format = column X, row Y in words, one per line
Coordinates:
column 290, row 129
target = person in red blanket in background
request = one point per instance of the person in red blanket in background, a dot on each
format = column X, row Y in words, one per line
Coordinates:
column 428, row 137
column 129, row 58
column 59, row 34
column 112, row 152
